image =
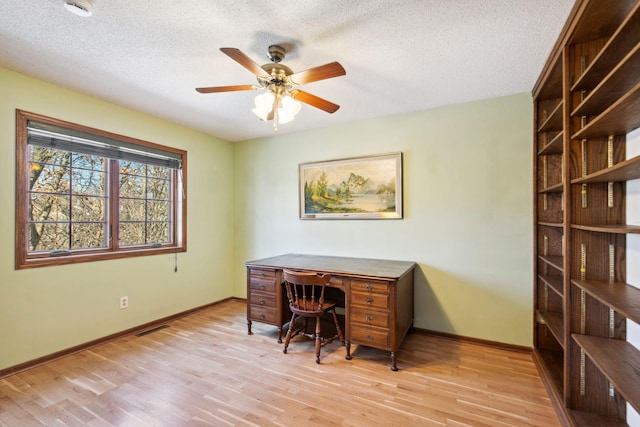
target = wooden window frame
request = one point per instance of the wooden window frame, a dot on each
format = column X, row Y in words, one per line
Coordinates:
column 24, row 259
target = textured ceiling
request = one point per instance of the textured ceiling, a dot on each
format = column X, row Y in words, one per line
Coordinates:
column 400, row 55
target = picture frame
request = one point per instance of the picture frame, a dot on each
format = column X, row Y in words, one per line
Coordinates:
column 352, row 188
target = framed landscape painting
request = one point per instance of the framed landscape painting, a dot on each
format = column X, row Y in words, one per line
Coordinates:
column 355, row 188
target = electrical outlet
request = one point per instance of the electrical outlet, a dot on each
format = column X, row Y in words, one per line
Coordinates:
column 124, row 302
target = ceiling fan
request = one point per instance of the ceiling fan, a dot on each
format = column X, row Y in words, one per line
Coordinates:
column 279, row 102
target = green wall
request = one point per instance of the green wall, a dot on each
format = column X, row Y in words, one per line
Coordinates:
column 44, row 310
column 467, row 210
column 467, row 204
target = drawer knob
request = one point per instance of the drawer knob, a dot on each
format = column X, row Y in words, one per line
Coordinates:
column 261, row 301
column 369, row 301
column 369, row 337
column 369, row 287
column 262, row 315
column 368, row 318
column 262, row 286
column 262, row 273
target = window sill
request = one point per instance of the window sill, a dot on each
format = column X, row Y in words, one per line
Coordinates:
column 76, row 258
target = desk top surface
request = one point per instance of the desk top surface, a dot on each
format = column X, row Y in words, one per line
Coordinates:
column 366, row 267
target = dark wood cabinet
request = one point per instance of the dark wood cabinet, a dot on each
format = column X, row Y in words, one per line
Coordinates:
column 378, row 296
column 586, row 101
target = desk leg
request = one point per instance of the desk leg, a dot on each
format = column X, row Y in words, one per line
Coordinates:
column 348, row 345
column 249, row 327
column 394, row 368
column 279, row 334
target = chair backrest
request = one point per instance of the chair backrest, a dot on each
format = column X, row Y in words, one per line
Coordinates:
column 305, row 290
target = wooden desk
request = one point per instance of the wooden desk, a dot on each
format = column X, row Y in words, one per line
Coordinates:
column 378, row 296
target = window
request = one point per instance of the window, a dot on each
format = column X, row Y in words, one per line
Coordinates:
column 84, row 194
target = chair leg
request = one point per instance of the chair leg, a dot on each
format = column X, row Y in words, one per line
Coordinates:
column 318, row 344
column 338, row 330
column 289, row 333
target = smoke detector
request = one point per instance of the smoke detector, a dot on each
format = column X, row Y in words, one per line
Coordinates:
column 79, row 7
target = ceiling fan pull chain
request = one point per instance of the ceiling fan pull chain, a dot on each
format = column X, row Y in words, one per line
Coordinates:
column 276, row 115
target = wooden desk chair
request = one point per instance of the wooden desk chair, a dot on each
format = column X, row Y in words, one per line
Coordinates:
column 305, row 292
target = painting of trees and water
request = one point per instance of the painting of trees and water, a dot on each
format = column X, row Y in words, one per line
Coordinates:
column 368, row 187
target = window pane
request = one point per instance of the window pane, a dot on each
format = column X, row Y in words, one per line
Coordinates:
column 54, row 189
column 158, row 189
column 88, row 235
column 132, row 186
column 49, row 178
column 132, row 210
column 158, row 172
column 48, row 236
column 132, row 233
column 49, row 155
column 88, row 182
column 87, row 208
column 87, row 161
column 158, row 232
column 48, row 207
column 132, row 168
column 157, row 211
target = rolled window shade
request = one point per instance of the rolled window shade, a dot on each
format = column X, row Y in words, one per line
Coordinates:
column 49, row 136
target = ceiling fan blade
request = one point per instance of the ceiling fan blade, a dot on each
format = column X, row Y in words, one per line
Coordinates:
column 314, row 101
column 326, row 71
column 245, row 61
column 225, row 88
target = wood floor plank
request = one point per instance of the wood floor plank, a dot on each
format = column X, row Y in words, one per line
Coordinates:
column 204, row 370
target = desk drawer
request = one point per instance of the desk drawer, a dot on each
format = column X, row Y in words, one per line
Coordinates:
column 369, row 300
column 371, row 336
column 263, row 314
column 262, row 284
column 263, row 299
column 380, row 287
column 370, row 317
column 262, row 273
column 336, row 282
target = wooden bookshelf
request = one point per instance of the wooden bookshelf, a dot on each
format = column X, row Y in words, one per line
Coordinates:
column 586, row 101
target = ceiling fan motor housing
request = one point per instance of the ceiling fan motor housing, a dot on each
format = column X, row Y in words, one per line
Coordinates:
column 275, row 53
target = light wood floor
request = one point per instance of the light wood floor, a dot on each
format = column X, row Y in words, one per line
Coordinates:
column 204, row 370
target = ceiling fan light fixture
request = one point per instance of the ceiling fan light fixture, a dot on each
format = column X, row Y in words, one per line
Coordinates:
column 79, row 7
column 288, row 109
column 264, row 105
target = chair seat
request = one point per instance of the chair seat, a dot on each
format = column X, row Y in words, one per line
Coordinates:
column 310, row 308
